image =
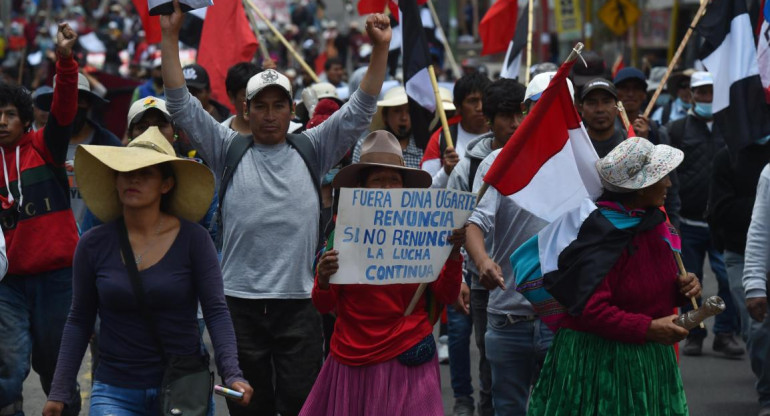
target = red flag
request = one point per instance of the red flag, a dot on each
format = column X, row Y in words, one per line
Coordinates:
column 548, row 165
column 618, row 65
column 150, row 24
column 226, row 39
column 631, row 132
column 498, row 26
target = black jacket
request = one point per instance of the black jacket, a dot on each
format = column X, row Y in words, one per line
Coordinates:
column 733, row 188
column 692, row 136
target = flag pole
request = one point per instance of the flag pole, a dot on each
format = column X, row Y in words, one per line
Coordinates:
column 450, row 55
column 572, row 56
column 283, row 40
column 449, row 143
column 675, row 59
column 530, row 19
column 262, row 47
column 677, row 256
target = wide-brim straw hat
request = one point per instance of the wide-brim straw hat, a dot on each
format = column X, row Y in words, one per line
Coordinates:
column 395, row 97
column 96, row 168
column 636, row 163
column 381, row 149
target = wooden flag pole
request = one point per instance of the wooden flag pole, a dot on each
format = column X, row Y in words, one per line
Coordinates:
column 675, row 59
column 283, row 40
column 448, row 137
column 530, row 29
column 262, row 46
column 679, row 263
column 449, row 54
column 572, row 56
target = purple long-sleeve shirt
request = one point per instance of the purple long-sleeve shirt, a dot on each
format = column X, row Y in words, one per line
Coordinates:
column 128, row 354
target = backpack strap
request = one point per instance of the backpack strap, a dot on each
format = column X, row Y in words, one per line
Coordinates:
column 307, row 152
column 472, row 169
column 666, row 113
column 235, row 151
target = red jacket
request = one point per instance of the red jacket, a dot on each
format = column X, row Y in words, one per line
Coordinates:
column 433, row 149
column 40, row 230
column 371, row 327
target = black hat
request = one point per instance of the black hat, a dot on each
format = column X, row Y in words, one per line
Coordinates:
column 196, row 76
column 599, row 84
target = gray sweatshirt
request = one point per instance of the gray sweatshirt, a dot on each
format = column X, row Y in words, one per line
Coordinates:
column 757, row 255
column 270, row 214
column 510, row 226
column 478, row 148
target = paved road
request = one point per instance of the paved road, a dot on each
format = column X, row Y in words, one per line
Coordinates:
column 715, row 386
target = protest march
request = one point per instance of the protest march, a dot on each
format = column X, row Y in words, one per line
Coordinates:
column 384, row 207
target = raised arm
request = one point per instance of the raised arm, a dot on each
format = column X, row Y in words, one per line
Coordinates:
column 207, row 136
column 334, row 137
column 64, row 106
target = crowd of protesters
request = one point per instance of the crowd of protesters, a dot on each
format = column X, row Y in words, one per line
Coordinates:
column 225, row 219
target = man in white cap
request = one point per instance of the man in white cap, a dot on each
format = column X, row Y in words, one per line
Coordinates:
column 700, row 140
column 271, row 216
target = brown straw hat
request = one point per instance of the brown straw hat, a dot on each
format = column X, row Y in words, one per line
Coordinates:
column 96, row 166
column 381, row 148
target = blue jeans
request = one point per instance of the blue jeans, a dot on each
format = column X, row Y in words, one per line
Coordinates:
column 756, row 334
column 696, row 243
column 516, row 351
column 108, row 400
column 33, row 310
column 459, row 330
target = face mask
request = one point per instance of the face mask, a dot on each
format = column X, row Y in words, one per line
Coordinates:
column 80, row 119
column 683, row 104
column 703, row 109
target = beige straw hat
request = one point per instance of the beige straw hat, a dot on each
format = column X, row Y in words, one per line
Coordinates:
column 95, row 168
column 381, row 148
column 395, row 97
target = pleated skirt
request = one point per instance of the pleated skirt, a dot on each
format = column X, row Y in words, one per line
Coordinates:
column 587, row 375
column 383, row 389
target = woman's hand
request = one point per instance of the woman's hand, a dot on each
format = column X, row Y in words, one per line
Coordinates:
column 457, row 239
column 53, row 408
column 327, row 266
column 244, row 388
column 689, row 285
column 665, row 331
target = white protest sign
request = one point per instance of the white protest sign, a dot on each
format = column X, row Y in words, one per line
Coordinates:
column 391, row 236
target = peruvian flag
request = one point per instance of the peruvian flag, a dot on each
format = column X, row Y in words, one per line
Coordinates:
column 763, row 49
column 728, row 52
column 497, row 27
column 548, row 165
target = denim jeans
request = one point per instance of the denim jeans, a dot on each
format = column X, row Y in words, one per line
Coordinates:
column 696, row 243
column 516, row 352
column 734, row 265
column 479, row 300
column 33, row 310
column 280, row 349
column 108, row 400
column 759, row 353
column 459, row 330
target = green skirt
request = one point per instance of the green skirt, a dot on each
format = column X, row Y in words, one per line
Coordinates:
column 587, row 375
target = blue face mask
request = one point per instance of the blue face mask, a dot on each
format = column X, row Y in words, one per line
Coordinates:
column 703, row 110
column 683, row 104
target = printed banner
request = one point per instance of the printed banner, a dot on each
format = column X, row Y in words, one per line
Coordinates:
column 392, row 236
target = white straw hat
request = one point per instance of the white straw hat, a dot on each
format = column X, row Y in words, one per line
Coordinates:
column 636, row 163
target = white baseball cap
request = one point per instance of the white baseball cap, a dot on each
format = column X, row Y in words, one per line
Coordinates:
column 139, row 107
column 540, row 82
column 267, row 78
column 701, row 78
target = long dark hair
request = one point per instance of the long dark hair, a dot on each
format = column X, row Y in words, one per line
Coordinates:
column 167, row 171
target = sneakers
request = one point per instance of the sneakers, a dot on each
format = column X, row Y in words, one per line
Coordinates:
column 727, row 344
column 443, row 349
column 463, row 406
column 693, row 345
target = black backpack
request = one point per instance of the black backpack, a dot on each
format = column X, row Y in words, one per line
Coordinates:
column 235, row 151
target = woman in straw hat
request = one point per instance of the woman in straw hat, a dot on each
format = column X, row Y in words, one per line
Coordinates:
column 613, row 354
column 154, row 197
column 381, row 362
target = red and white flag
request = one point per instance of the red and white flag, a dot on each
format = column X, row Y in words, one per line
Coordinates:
column 548, row 165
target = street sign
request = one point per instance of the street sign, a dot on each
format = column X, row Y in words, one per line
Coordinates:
column 619, row 15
